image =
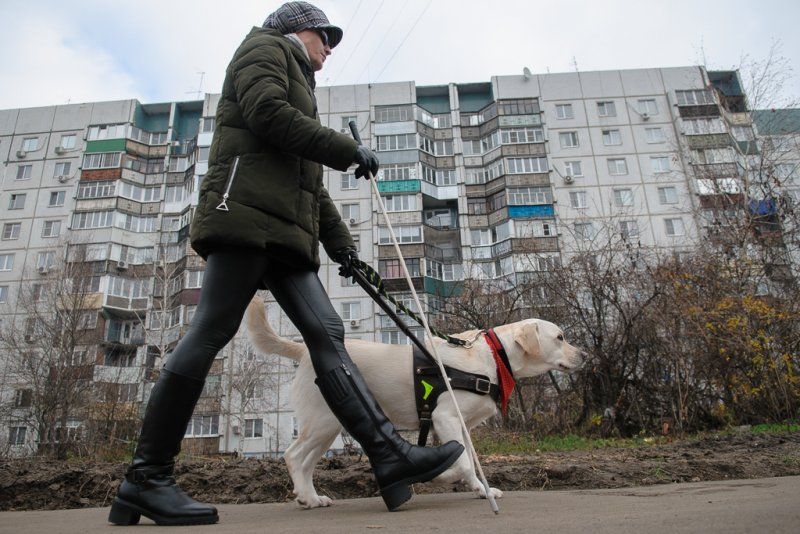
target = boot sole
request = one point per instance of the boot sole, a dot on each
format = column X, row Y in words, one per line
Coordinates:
column 126, row 513
column 397, row 494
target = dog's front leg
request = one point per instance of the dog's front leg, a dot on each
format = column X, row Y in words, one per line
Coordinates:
column 447, row 427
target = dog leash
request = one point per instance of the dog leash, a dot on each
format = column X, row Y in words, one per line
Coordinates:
column 464, row 429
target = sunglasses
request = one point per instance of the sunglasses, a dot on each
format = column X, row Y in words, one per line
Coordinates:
column 324, row 36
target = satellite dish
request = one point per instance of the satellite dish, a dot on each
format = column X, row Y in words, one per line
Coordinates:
column 526, row 73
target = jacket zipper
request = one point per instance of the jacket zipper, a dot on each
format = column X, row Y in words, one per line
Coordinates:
column 223, row 206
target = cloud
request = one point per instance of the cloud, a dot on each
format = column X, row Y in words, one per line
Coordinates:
column 45, row 63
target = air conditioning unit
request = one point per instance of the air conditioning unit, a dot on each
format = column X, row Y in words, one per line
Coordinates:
column 42, row 269
column 345, row 130
column 645, row 116
column 62, row 178
column 21, row 153
column 61, row 150
column 122, row 265
column 352, row 221
column 355, row 323
column 237, row 430
column 568, row 179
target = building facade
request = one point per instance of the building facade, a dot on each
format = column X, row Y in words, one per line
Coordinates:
column 483, row 181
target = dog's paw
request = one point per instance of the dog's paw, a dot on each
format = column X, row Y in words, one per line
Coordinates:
column 496, row 493
column 316, row 501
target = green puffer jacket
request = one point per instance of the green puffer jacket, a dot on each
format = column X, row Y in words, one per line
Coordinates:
column 266, row 154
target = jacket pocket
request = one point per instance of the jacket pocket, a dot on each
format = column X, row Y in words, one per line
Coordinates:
column 223, row 206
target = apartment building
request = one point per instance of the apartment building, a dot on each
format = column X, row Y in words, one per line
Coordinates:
column 487, row 180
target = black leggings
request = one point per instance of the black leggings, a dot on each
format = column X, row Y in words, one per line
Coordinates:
column 231, row 279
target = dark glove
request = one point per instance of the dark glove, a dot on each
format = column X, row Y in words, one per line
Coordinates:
column 347, row 258
column 367, row 162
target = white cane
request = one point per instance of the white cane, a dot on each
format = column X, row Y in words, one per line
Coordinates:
column 464, row 430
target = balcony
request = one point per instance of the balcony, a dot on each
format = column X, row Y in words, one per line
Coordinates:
column 442, row 288
column 128, row 306
column 443, row 254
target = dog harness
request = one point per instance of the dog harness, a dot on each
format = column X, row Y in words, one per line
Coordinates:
column 428, row 383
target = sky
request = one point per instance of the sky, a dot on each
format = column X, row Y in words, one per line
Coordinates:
column 56, row 52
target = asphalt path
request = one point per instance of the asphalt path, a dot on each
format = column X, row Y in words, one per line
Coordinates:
column 769, row 505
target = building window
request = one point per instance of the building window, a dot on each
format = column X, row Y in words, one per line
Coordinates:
column 92, row 219
column 526, row 196
column 351, row 311
column 67, row 141
column 577, row 199
column 612, row 137
column 11, row 230
column 346, row 120
column 481, row 237
column 46, row 259
column 584, row 231
column 623, row 197
column 16, row 435
column 694, row 97
column 703, row 126
column 568, row 139
column 6, row 262
column 393, row 114
column 351, row 212
column 254, row 428
column 564, row 111
column 56, row 199
column 107, row 131
column 349, row 181
column 655, row 135
column 203, row 425
column 606, row 109
column 523, row 135
column 62, row 168
column 476, row 206
column 29, row 144
column 101, row 189
column 400, row 202
column 397, row 142
column 17, row 201
column 674, row 227
column 526, row 165
column 397, row 171
column 51, row 229
column 628, row 229
column 667, row 195
column 24, row 172
column 404, row 234
column 23, row 398
column 536, row 228
column 573, row 168
column 659, row 164
column 648, row 106
column 105, row 160
column 390, row 269
column 3, row 294
column 713, row 155
column 208, row 124
column 194, row 279
column 617, row 166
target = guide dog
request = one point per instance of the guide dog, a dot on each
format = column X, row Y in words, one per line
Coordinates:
column 533, row 347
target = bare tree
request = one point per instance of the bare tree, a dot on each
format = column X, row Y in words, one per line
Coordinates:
column 47, row 348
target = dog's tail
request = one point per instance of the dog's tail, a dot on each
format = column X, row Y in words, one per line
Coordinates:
column 264, row 338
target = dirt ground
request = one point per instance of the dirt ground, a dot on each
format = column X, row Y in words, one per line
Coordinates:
column 50, row 485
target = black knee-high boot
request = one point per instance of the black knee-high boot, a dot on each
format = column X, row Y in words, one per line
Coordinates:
column 395, row 462
column 149, row 488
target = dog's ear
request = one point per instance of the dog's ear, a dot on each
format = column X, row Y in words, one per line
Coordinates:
column 527, row 337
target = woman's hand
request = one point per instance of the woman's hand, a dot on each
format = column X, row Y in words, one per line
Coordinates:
column 367, row 162
column 347, row 258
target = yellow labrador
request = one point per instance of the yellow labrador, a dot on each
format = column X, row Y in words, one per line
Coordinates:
column 533, row 347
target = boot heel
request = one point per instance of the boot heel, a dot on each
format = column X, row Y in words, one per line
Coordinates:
column 122, row 514
column 395, row 495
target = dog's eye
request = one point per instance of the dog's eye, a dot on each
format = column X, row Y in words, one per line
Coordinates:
column 561, row 337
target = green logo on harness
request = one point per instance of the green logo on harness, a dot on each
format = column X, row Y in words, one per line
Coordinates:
column 428, row 389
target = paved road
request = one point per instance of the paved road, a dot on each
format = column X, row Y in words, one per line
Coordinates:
column 762, row 505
